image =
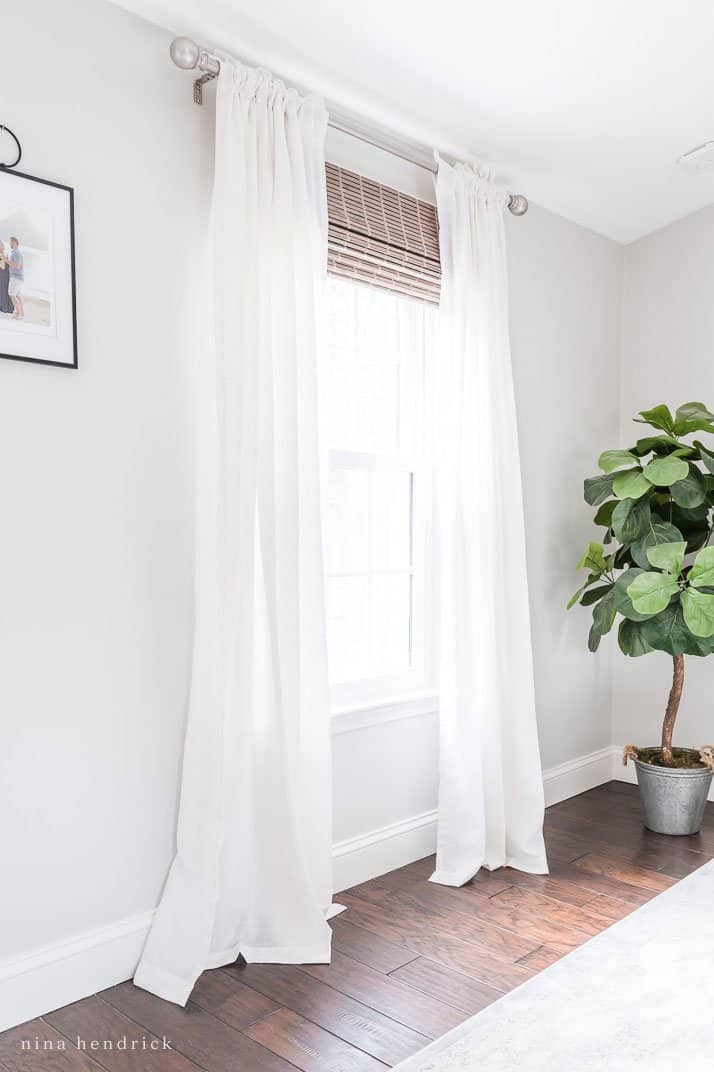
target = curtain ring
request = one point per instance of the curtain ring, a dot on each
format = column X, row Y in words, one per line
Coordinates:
column 17, row 143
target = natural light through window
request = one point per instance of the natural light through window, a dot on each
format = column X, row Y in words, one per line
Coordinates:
column 379, row 493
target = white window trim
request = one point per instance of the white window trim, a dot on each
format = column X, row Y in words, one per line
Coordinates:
column 362, row 716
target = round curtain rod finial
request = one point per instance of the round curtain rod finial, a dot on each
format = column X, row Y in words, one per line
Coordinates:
column 517, row 204
column 185, row 53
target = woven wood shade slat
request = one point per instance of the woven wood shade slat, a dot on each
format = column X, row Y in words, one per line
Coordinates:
column 381, row 237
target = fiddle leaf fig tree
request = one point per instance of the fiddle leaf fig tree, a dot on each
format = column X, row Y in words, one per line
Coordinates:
column 653, row 570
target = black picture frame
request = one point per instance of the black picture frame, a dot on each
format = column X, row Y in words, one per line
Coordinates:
column 69, row 190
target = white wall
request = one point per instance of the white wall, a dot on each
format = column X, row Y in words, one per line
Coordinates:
column 96, row 529
column 668, row 343
column 565, row 285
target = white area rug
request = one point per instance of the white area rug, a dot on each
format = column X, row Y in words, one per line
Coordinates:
column 638, row 996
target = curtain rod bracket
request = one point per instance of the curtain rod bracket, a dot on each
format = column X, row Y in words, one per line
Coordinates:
column 198, row 87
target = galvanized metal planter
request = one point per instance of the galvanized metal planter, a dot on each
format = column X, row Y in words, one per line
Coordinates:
column 673, row 799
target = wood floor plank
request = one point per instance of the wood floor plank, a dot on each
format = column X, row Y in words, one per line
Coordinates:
column 309, row 1047
column 62, row 1056
column 486, row 882
column 350, row 1020
column 429, row 1016
column 467, row 995
column 451, row 911
column 209, row 1042
column 230, row 1000
column 559, row 889
column 485, row 919
column 554, row 911
column 611, row 907
column 93, row 1019
column 629, row 874
column 368, row 948
column 468, row 957
column 633, row 844
column 603, row 884
column 542, row 957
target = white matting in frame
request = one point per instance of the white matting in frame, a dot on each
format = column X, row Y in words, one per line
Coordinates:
column 38, row 320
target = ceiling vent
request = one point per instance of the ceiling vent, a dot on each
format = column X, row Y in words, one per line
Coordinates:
column 697, row 160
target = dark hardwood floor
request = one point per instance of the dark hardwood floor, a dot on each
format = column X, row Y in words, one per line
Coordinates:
column 411, row 960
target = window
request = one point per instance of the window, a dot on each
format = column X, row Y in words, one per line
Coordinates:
column 378, row 509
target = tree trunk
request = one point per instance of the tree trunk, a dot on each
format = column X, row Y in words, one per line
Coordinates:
column 670, row 716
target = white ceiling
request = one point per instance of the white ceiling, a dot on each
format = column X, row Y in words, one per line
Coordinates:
column 583, row 105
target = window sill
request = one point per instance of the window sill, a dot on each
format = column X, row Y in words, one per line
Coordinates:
column 374, row 713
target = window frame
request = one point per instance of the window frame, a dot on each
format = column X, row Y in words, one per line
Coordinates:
column 416, row 682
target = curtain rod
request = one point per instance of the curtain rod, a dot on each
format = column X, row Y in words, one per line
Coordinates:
column 189, row 56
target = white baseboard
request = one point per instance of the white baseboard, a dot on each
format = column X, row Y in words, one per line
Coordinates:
column 59, row 974
column 578, row 775
column 360, row 858
column 49, row 978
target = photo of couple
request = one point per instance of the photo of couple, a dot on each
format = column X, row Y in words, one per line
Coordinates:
column 26, row 270
column 37, row 301
column 12, row 278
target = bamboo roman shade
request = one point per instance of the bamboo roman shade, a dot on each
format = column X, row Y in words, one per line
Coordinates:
column 381, row 237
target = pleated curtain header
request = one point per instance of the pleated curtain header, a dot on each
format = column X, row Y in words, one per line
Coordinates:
column 381, row 237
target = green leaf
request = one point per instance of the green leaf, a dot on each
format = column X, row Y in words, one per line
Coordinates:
column 593, row 559
column 656, row 444
column 575, row 598
column 705, row 454
column 631, row 519
column 662, row 472
column 631, row 638
column 596, row 489
column 594, row 594
column 693, row 417
column 659, row 532
column 686, row 518
column 610, row 460
column 603, row 618
column 631, row 484
column 668, row 632
column 658, row 417
column 690, row 492
column 698, row 610
column 621, row 600
column 668, row 556
column 604, row 514
column 651, row 592
column 701, row 575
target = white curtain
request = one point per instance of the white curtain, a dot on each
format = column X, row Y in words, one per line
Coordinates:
column 490, row 790
column 252, row 873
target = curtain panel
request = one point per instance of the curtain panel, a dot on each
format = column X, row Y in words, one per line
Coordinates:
column 490, row 790
column 252, row 872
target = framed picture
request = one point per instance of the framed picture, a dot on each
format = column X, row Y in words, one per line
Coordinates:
column 38, row 317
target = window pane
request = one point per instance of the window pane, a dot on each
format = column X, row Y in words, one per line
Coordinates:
column 391, row 516
column 348, row 628
column 376, row 352
column 390, row 623
column 364, row 409
column 348, row 521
